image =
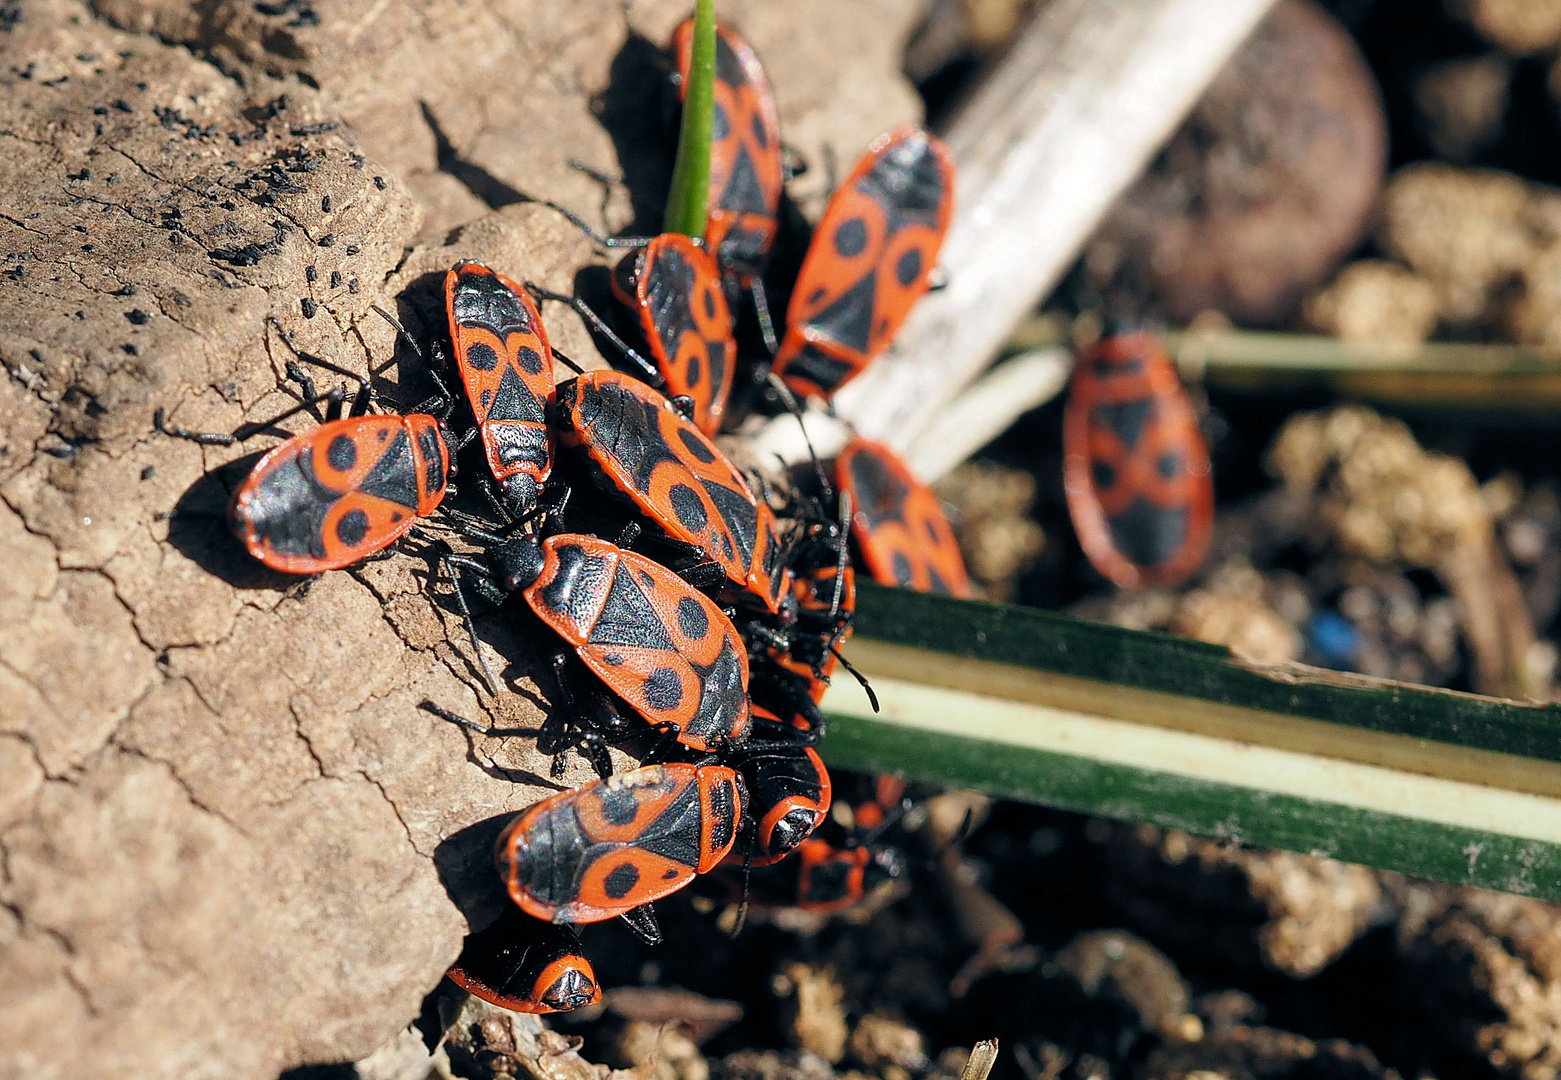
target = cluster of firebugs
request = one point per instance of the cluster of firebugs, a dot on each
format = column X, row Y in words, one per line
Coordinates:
column 711, row 622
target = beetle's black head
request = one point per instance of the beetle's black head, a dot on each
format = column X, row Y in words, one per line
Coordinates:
column 789, row 832
column 517, row 564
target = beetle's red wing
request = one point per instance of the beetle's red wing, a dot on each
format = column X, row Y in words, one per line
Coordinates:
column 746, row 172
column 898, row 524
column 1135, row 466
column 870, row 260
column 689, row 327
column 506, row 367
column 326, row 498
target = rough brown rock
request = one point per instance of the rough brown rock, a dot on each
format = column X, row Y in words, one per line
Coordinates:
column 231, row 843
column 1267, row 186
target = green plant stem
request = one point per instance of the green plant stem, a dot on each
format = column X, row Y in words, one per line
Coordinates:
column 1144, row 727
column 689, row 197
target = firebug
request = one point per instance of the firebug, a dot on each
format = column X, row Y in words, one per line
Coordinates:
column 1135, row 466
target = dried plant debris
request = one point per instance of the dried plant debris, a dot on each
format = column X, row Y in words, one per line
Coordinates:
column 1485, row 970
column 1374, row 301
column 1518, row 26
column 1247, row 1053
column 998, row 538
column 1481, row 238
column 1247, row 907
column 1385, row 501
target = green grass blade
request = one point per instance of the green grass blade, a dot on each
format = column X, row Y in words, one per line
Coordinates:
column 1144, row 727
column 690, row 194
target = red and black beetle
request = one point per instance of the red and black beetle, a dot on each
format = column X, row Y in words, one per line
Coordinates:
column 871, row 259
column 526, row 966
column 822, row 877
column 790, row 792
column 330, row 497
column 643, row 451
column 327, row 498
column 505, row 364
column 1135, row 466
column 599, row 851
column 898, row 525
column 657, row 643
column 673, row 285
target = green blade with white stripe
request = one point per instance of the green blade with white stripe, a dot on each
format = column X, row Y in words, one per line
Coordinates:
column 1044, row 708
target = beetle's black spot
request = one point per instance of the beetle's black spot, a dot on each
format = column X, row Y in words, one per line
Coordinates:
column 613, row 659
column 696, row 446
column 669, row 873
column 647, row 579
column 908, row 267
column 816, row 295
column 1103, row 474
column 397, row 517
column 1169, row 465
column 529, row 359
column 621, row 881
column 1148, row 535
column 851, row 237
column 620, row 806
column 342, row 454
column 663, row 689
column 1126, row 419
column 722, row 125
column 482, row 357
column 382, row 434
column 710, row 303
column 352, row 528
column 933, row 534
column 487, row 398
column 760, row 136
column 695, row 370
column 693, row 619
column 904, row 574
column 689, row 509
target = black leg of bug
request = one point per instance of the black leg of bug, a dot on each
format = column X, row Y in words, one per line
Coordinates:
column 495, row 503
column 629, row 534
column 595, row 321
column 243, row 432
column 460, row 721
column 842, row 541
column 793, row 406
column 596, row 237
column 761, row 311
column 364, row 399
column 305, row 382
column 453, row 564
column 858, row 676
column 642, row 920
column 568, row 363
column 665, row 748
column 750, row 841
